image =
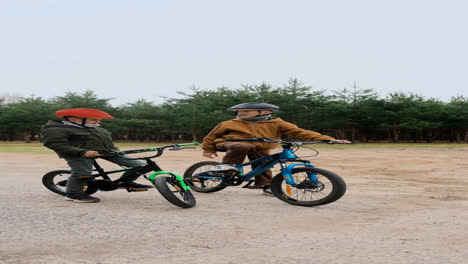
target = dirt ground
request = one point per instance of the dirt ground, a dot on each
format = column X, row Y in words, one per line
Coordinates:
column 402, row 206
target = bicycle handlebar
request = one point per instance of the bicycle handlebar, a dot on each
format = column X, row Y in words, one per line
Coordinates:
column 297, row 143
column 159, row 150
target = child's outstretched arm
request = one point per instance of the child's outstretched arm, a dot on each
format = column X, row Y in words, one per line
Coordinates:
column 342, row 141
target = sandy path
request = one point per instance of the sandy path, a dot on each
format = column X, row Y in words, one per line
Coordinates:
column 402, row 206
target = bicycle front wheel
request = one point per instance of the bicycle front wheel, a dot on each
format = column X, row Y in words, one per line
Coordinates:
column 314, row 187
column 56, row 181
column 171, row 189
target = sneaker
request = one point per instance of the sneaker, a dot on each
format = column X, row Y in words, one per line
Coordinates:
column 267, row 191
column 82, row 198
column 254, row 186
column 133, row 186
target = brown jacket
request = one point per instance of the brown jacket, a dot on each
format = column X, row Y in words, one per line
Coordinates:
column 273, row 129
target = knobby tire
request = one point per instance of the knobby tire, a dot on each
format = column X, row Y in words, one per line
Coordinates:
column 62, row 175
column 177, row 195
column 334, row 184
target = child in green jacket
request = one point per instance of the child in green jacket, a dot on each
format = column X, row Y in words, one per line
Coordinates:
column 78, row 139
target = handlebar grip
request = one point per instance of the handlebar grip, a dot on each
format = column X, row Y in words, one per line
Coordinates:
column 189, row 144
column 183, row 148
column 111, row 152
column 336, row 142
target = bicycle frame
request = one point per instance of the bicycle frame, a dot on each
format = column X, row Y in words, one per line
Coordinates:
column 287, row 155
column 150, row 166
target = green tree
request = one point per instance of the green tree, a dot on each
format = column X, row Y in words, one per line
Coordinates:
column 26, row 116
column 293, row 99
column 457, row 117
column 140, row 120
column 427, row 119
column 87, row 99
column 200, row 111
column 348, row 109
column 401, row 112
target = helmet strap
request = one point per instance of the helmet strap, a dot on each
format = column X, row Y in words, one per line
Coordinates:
column 83, row 121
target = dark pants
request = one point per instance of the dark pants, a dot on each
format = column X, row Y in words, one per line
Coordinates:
column 82, row 168
column 236, row 153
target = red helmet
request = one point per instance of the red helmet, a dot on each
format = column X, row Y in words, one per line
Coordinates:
column 83, row 113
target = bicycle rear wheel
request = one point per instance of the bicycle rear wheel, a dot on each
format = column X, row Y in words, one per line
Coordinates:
column 56, row 181
column 326, row 187
column 171, row 189
column 204, row 183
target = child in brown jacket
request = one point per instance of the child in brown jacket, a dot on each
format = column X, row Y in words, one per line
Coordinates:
column 254, row 121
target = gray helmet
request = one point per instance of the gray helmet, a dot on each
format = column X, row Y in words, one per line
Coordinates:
column 255, row 106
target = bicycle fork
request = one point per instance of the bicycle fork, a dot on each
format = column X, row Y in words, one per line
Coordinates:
column 286, row 171
column 157, row 171
column 175, row 176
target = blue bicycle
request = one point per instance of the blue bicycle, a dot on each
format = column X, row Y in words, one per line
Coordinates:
column 299, row 183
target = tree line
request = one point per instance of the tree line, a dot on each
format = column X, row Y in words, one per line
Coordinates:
column 354, row 114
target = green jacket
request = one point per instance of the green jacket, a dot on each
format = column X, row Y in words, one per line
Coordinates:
column 273, row 128
column 70, row 141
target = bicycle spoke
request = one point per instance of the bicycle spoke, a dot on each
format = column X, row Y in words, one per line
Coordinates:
column 209, row 183
column 303, row 194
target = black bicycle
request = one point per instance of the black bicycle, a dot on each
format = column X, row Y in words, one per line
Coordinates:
column 170, row 185
column 300, row 183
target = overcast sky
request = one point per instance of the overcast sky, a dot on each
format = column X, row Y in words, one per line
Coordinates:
column 147, row 49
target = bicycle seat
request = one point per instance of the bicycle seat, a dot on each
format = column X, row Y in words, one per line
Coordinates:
column 224, row 167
